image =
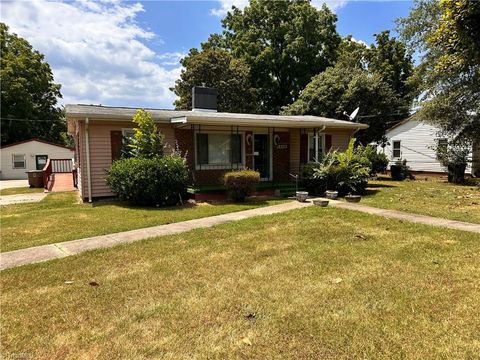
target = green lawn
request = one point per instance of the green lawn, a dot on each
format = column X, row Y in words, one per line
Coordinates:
column 19, row 190
column 314, row 283
column 61, row 217
column 428, row 196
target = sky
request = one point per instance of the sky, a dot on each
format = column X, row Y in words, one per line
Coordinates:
column 118, row 53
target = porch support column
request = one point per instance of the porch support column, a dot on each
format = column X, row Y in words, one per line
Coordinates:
column 315, row 132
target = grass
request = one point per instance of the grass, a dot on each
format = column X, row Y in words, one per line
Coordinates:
column 19, row 190
column 312, row 283
column 61, row 217
column 432, row 196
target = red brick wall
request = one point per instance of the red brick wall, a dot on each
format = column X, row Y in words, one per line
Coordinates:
column 209, row 177
column 184, row 139
column 281, row 156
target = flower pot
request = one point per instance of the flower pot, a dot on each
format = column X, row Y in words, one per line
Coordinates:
column 322, row 203
column 302, row 196
column 456, row 173
column 331, row 194
column 353, row 198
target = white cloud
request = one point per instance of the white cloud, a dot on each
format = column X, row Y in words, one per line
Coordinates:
column 171, row 58
column 360, row 42
column 226, row 5
column 96, row 51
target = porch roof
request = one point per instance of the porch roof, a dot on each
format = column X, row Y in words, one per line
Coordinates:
column 182, row 117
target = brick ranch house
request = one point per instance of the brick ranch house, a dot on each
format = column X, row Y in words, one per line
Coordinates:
column 214, row 142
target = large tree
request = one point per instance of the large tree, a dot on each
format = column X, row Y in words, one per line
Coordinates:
column 285, row 43
column 341, row 89
column 216, row 68
column 445, row 33
column 28, row 94
column 389, row 58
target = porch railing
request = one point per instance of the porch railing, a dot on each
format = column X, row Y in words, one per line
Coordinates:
column 61, row 165
column 56, row 166
column 47, row 173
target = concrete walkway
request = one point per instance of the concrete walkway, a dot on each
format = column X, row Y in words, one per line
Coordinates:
column 59, row 250
column 415, row 218
column 7, row 184
column 67, row 248
column 21, row 198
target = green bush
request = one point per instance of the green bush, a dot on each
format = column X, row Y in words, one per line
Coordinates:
column 310, row 183
column 240, row 184
column 344, row 172
column 400, row 170
column 158, row 181
column 378, row 161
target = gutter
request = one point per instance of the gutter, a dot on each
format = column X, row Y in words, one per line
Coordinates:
column 87, row 148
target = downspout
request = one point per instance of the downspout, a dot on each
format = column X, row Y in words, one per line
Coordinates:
column 87, row 148
column 316, row 140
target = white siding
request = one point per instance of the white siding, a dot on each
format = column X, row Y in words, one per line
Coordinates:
column 417, row 142
column 30, row 149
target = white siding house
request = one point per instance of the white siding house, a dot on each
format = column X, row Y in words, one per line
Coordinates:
column 414, row 141
column 20, row 157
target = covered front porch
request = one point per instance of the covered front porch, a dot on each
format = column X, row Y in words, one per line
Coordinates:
column 277, row 153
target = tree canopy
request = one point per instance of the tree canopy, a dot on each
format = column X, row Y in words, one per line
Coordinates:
column 446, row 35
column 216, row 68
column 274, row 46
column 341, row 89
column 389, row 58
column 29, row 94
column 374, row 78
column 285, row 43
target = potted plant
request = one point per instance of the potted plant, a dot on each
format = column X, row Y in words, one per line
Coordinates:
column 301, row 196
column 353, row 198
column 453, row 157
column 331, row 194
column 320, row 202
column 399, row 171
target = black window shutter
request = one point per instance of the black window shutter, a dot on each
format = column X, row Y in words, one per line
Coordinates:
column 116, row 144
column 328, row 142
column 202, row 149
column 236, row 153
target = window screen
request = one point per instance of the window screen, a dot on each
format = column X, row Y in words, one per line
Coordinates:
column 396, row 149
column 19, row 161
column 219, row 149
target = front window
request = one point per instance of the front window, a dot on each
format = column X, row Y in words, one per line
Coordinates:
column 219, row 149
column 315, row 153
column 397, row 149
column 128, row 135
column 18, row 161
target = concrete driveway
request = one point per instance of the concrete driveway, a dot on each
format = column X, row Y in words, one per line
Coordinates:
column 22, row 198
column 6, row 184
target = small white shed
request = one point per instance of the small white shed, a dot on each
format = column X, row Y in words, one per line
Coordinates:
column 414, row 141
column 22, row 156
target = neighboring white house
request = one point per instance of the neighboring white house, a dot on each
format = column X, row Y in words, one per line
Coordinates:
column 414, row 141
column 20, row 157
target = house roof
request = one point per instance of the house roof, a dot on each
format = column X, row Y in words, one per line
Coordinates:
column 99, row 112
column 37, row 140
column 400, row 123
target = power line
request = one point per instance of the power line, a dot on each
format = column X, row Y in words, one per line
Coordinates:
column 27, row 120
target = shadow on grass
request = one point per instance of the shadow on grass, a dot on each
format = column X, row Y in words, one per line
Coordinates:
column 186, row 205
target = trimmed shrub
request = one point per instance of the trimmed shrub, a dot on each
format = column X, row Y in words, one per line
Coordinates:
column 159, row 181
column 240, row 184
